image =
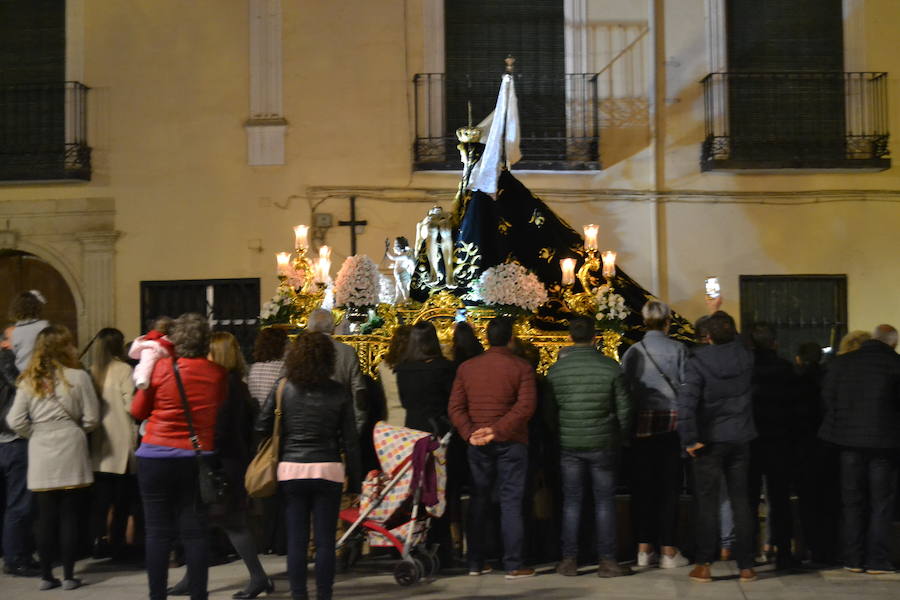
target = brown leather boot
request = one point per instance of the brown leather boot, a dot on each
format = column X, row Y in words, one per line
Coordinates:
column 748, row 575
column 701, row 573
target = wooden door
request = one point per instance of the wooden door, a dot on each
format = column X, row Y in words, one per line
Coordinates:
column 20, row 271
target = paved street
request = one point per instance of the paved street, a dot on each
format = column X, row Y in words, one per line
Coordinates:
column 373, row 580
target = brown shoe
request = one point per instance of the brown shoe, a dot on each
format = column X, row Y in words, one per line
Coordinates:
column 520, row 573
column 610, row 568
column 701, row 574
column 725, row 554
column 567, row 566
column 748, row 575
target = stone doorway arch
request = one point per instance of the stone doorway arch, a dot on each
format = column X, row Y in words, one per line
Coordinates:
column 23, row 271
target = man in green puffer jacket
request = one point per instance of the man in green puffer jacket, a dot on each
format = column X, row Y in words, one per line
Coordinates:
column 591, row 408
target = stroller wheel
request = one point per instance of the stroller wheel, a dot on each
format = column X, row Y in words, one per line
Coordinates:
column 430, row 564
column 435, row 565
column 406, row 573
column 420, row 567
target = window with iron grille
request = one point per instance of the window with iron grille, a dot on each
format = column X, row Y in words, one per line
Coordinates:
column 230, row 305
column 785, row 100
column 801, row 308
column 42, row 116
column 557, row 109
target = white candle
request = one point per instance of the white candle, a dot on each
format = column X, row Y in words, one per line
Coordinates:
column 283, row 260
column 590, row 237
column 609, row 264
column 301, row 237
column 325, row 252
column 323, row 265
column 567, row 265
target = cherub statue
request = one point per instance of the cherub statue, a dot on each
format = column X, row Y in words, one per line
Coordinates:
column 401, row 258
column 435, row 233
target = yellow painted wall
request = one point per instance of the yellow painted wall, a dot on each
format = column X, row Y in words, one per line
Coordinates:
column 169, row 99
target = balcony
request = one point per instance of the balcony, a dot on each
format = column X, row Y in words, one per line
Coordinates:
column 43, row 132
column 795, row 120
column 560, row 122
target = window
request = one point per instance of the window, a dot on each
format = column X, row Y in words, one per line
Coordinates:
column 42, row 116
column 801, row 308
column 231, row 305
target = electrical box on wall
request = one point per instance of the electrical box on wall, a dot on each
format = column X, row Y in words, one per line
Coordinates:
column 323, row 220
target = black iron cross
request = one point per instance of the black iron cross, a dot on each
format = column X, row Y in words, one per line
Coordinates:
column 352, row 223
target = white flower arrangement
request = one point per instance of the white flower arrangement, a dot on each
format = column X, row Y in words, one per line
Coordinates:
column 278, row 309
column 357, row 283
column 611, row 309
column 511, row 284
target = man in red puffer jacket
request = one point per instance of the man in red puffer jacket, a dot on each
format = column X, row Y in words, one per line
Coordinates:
column 493, row 398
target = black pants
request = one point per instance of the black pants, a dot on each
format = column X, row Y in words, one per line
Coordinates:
column 172, row 508
column 770, row 458
column 713, row 462
column 816, row 468
column 115, row 491
column 17, row 502
column 658, row 476
column 868, row 489
column 58, row 517
column 320, row 499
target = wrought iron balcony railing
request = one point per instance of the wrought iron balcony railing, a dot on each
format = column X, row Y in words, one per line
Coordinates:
column 43, row 132
column 795, row 120
column 559, row 119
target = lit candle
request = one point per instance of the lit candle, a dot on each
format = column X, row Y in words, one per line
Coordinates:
column 590, row 237
column 301, row 233
column 323, row 266
column 609, row 264
column 283, row 259
column 567, row 265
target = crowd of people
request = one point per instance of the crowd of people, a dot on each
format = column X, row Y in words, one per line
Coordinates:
column 125, row 440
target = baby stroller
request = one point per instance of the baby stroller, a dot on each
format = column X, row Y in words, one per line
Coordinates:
column 397, row 503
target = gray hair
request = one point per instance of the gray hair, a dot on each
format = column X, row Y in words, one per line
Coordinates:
column 190, row 335
column 320, row 320
column 887, row 334
column 656, row 314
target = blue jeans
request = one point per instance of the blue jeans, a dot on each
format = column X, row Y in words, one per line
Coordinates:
column 601, row 467
column 320, row 499
column 17, row 516
column 713, row 463
column 505, row 463
column 170, row 491
column 868, row 489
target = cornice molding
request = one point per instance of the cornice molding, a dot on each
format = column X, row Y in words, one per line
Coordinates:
column 427, row 195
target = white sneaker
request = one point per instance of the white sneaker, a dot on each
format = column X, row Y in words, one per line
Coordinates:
column 673, row 562
column 645, row 559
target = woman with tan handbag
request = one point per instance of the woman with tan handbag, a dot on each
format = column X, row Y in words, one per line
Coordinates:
column 55, row 407
column 316, row 424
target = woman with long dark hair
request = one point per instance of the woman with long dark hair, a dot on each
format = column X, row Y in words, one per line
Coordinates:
column 112, row 444
column 55, row 407
column 424, row 380
column 465, row 343
column 317, row 423
column 396, row 415
column 168, row 472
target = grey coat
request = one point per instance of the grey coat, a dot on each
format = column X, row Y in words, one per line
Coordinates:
column 58, row 455
column 348, row 374
column 23, row 336
column 646, row 385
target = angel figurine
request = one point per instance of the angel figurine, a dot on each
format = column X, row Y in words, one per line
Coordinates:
column 401, row 258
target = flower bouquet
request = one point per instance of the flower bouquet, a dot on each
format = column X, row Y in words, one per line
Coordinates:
column 357, row 283
column 611, row 310
column 278, row 310
column 511, row 288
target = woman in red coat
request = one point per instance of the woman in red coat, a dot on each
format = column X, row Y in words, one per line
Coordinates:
column 167, row 467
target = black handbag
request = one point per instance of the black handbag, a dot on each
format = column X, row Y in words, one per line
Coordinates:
column 213, row 483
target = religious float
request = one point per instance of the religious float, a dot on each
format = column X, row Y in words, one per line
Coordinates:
column 499, row 251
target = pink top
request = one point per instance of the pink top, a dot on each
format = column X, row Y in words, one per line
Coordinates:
column 329, row 471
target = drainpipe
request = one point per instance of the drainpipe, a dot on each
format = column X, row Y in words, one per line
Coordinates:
column 657, row 106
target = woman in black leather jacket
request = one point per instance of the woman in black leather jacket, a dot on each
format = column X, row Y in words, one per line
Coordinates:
column 317, row 423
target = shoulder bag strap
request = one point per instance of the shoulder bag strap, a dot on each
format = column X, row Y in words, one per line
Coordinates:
column 276, row 429
column 195, row 441
column 661, row 372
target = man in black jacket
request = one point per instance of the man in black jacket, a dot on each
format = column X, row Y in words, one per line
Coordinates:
column 774, row 386
column 715, row 424
column 861, row 393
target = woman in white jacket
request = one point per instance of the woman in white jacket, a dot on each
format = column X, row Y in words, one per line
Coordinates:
column 55, row 407
column 112, row 444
